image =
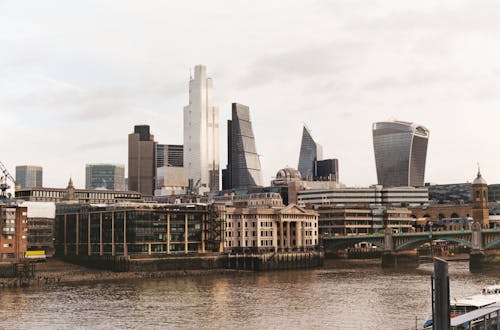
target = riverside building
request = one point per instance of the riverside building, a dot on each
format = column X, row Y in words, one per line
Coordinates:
column 201, row 134
column 13, row 232
column 40, row 220
column 259, row 222
column 400, row 153
column 138, row 229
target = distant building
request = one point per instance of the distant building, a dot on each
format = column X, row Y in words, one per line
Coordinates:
column 141, row 161
column 362, row 220
column 310, row 151
column 13, row 232
column 201, row 134
column 105, row 176
column 400, row 153
column 326, row 170
column 29, row 176
column 40, row 218
column 289, row 183
column 375, row 195
column 480, row 209
column 171, row 180
column 138, row 229
column 456, row 193
column 78, row 195
column 494, row 193
column 243, row 169
column 169, row 155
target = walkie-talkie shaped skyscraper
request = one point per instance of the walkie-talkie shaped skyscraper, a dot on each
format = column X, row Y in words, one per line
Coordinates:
column 400, row 153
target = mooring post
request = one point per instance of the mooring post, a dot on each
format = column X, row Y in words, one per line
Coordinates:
column 440, row 296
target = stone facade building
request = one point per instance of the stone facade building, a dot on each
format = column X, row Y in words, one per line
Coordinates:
column 270, row 229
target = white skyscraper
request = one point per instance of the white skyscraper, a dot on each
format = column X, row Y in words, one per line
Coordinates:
column 201, row 134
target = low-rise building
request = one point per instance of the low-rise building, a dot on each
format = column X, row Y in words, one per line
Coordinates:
column 135, row 229
column 13, row 232
column 361, row 220
column 270, row 229
column 375, row 195
column 40, row 218
column 80, row 195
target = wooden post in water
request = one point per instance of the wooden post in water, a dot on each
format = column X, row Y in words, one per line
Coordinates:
column 440, row 296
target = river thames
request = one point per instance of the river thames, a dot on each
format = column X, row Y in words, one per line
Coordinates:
column 339, row 296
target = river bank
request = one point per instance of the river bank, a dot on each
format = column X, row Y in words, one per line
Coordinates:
column 57, row 271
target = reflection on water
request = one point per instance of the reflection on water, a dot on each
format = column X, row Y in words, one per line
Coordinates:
column 336, row 297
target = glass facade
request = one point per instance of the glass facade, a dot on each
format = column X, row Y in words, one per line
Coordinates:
column 400, row 153
column 310, row 151
column 169, row 155
column 243, row 160
column 119, row 230
column 28, row 176
column 105, row 176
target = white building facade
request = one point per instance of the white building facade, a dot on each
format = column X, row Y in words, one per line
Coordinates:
column 201, row 134
column 270, row 229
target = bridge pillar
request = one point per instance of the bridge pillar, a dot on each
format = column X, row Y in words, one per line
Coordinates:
column 477, row 257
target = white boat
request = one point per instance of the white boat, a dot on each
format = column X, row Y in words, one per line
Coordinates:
column 488, row 296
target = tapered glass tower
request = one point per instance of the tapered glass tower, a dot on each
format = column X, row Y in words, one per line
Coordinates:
column 310, row 151
column 243, row 161
column 400, row 153
column 201, row 134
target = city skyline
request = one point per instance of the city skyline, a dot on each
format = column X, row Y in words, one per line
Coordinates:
column 63, row 77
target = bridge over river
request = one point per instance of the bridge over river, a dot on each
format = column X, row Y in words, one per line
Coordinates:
column 400, row 248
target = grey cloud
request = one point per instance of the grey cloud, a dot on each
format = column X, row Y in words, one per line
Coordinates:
column 103, row 144
column 97, row 103
column 307, row 62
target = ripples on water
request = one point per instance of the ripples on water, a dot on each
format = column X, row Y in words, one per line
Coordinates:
column 336, row 297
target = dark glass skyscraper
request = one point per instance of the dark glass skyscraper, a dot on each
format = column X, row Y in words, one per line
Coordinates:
column 400, row 153
column 310, row 151
column 243, row 169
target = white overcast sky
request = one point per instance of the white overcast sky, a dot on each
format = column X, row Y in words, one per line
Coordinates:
column 75, row 76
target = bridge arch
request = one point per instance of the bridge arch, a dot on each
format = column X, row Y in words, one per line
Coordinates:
column 492, row 244
column 335, row 243
column 414, row 243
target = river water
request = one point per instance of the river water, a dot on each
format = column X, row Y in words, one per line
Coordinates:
column 339, row 296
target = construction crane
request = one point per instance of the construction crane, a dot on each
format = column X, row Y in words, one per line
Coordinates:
column 4, row 178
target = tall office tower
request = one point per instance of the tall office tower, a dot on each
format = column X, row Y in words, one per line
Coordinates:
column 326, row 170
column 400, row 153
column 201, row 134
column 310, row 151
column 29, row 176
column 105, row 176
column 141, row 161
column 243, row 169
column 169, row 155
